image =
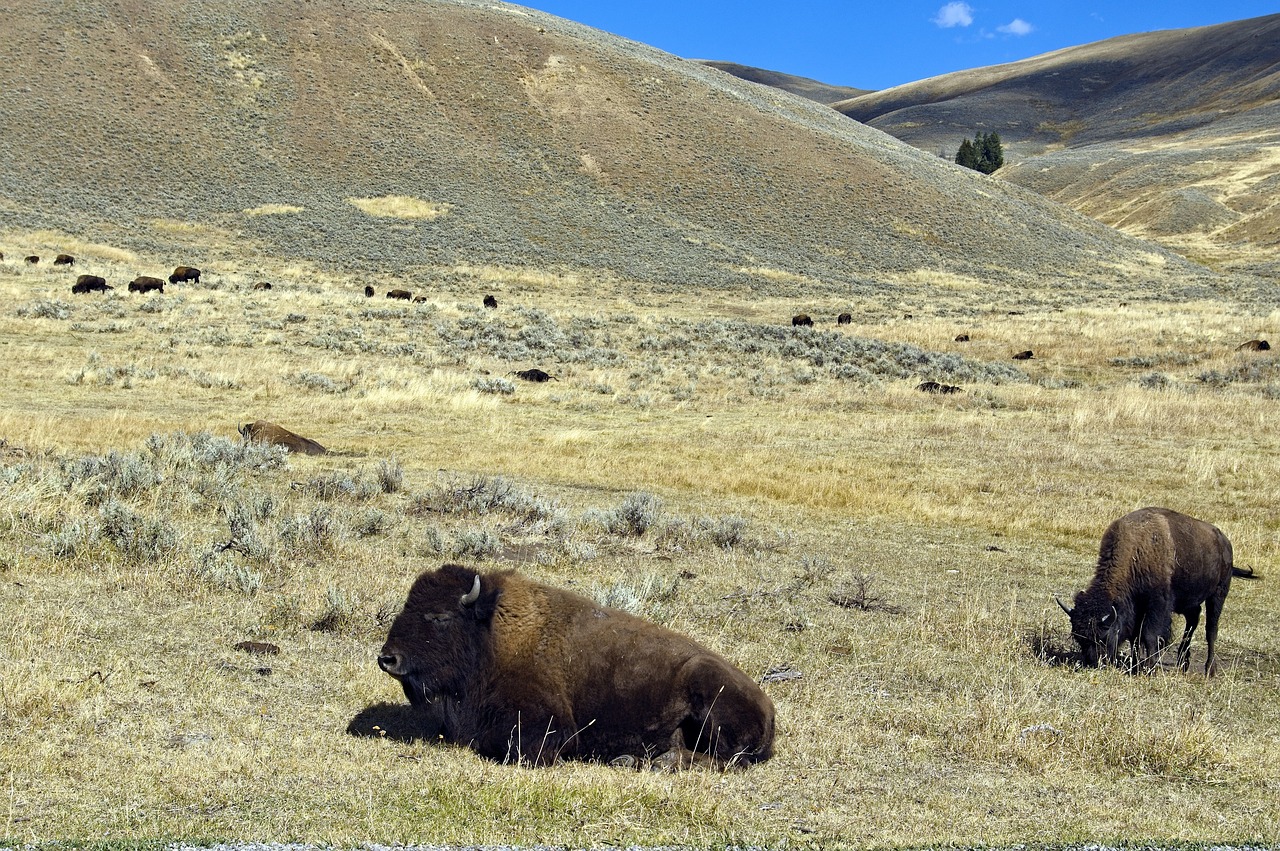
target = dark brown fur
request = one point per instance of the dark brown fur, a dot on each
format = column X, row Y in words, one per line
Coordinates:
column 146, row 284
column 935, row 387
column 962, row 338
column 1153, row 562
column 1027, row 355
column 265, row 432
column 802, row 319
column 368, row 291
column 262, row 285
column 401, row 294
column 844, row 319
column 490, row 302
column 89, row 284
column 1254, row 346
column 64, row 260
column 32, row 259
column 182, row 274
column 530, row 673
column 534, row 374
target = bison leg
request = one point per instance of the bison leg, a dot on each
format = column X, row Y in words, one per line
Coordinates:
column 1212, row 610
column 1184, row 646
column 1153, row 636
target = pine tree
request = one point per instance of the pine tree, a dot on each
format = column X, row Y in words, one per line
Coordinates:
column 967, row 156
column 984, row 153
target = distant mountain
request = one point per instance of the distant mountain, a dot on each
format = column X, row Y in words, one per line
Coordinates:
column 802, row 86
column 416, row 135
column 1168, row 135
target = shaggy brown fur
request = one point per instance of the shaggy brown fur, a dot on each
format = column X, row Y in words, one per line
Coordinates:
column 182, row 274
column 844, row 319
column 400, row 294
column 1153, row 562
column 522, row 671
column 146, row 284
column 801, row 319
column 90, row 283
column 64, row 260
column 266, row 432
column 1254, row 346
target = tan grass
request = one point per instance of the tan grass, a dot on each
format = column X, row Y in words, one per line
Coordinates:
column 274, row 210
column 125, row 710
column 401, row 207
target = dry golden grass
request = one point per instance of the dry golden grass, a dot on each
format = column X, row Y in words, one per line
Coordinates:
column 127, row 712
column 401, row 207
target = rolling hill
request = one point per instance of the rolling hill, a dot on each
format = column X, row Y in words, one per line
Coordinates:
column 1166, row 135
column 427, row 133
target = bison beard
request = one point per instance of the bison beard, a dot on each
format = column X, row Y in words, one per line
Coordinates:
column 521, row 671
column 1152, row 562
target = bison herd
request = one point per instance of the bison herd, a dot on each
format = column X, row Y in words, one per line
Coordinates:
column 141, row 284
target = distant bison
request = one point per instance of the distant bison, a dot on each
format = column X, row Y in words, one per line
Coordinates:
column 89, row 284
column 524, row 672
column 419, row 299
column 146, row 284
column 844, row 319
column 490, row 302
column 936, row 387
column 64, row 260
column 368, row 291
column 1027, row 355
column 262, row 285
column 1153, row 562
column 801, row 320
column 262, row 431
column 31, row 259
column 401, row 294
column 1254, row 346
column 182, row 274
column 962, row 338
column 534, row 374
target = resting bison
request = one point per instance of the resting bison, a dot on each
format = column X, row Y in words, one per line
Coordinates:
column 182, row 274
column 262, row 285
column 146, row 284
column 490, row 301
column 1027, row 355
column 801, row 319
column 402, row 294
column 32, row 259
column 262, row 431
column 89, row 284
column 962, row 338
column 1153, row 562
column 368, row 291
column 935, row 387
column 64, row 260
column 1254, row 346
column 534, row 374
column 844, row 319
column 521, row 671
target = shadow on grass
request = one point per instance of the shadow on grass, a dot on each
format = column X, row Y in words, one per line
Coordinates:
column 398, row 721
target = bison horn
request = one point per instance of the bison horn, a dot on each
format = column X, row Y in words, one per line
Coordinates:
column 472, row 595
column 1063, row 606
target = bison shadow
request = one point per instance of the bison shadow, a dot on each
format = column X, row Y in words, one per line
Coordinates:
column 398, row 721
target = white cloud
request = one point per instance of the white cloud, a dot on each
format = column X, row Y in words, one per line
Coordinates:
column 1016, row 27
column 955, row 14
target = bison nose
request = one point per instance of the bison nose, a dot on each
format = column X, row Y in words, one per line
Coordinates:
column 389, row 662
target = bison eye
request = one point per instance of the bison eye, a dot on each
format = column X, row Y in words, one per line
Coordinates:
column 436, row 617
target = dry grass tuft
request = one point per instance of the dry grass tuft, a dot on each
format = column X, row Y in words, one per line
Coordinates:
column 401, row 207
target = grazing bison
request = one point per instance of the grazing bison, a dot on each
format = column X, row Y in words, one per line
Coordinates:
column 64, row 260
column 31, row 259
column 89, row 284
column 801, row 319
column 262, row 431
column 521, row 671
column 262, row 285
column 1153, row 562
column 935, row 387
column 368, row 291
column 401, row 294
column 146, row 284
column 534, row 374
column 490, row 302
column 1027, row 355
column 1254, row 346
column 419, row 299
column 844, row 319
column 182, row 274
column 962, row 338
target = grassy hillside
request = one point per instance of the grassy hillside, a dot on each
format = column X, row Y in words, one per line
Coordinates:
column 783, row 495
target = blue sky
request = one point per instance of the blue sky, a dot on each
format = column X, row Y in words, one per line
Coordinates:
column 885, row 43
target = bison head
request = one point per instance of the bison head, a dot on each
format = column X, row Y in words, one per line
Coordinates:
column 436, row 644
column 1095, row 628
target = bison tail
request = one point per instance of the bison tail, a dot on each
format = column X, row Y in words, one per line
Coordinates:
column 1244, row 573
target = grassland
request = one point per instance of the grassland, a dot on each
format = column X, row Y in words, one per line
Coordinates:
column 783, row 495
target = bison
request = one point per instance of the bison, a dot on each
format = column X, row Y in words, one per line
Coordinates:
column 182, row 274
column 261, row 431
column 525, row 672
column 89, row 284
column 1254, row 346
column 534, row 374
column 146, row 284
column 844, row 319
column 31, row 259
column 1153, row 562
column 368, row 291
column 490, row 302
column 962, row 338
column 64, row 260
column 262, row 285
column 801, row 320
column 1026, row 355
column 936, row 387
column 401, row 294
